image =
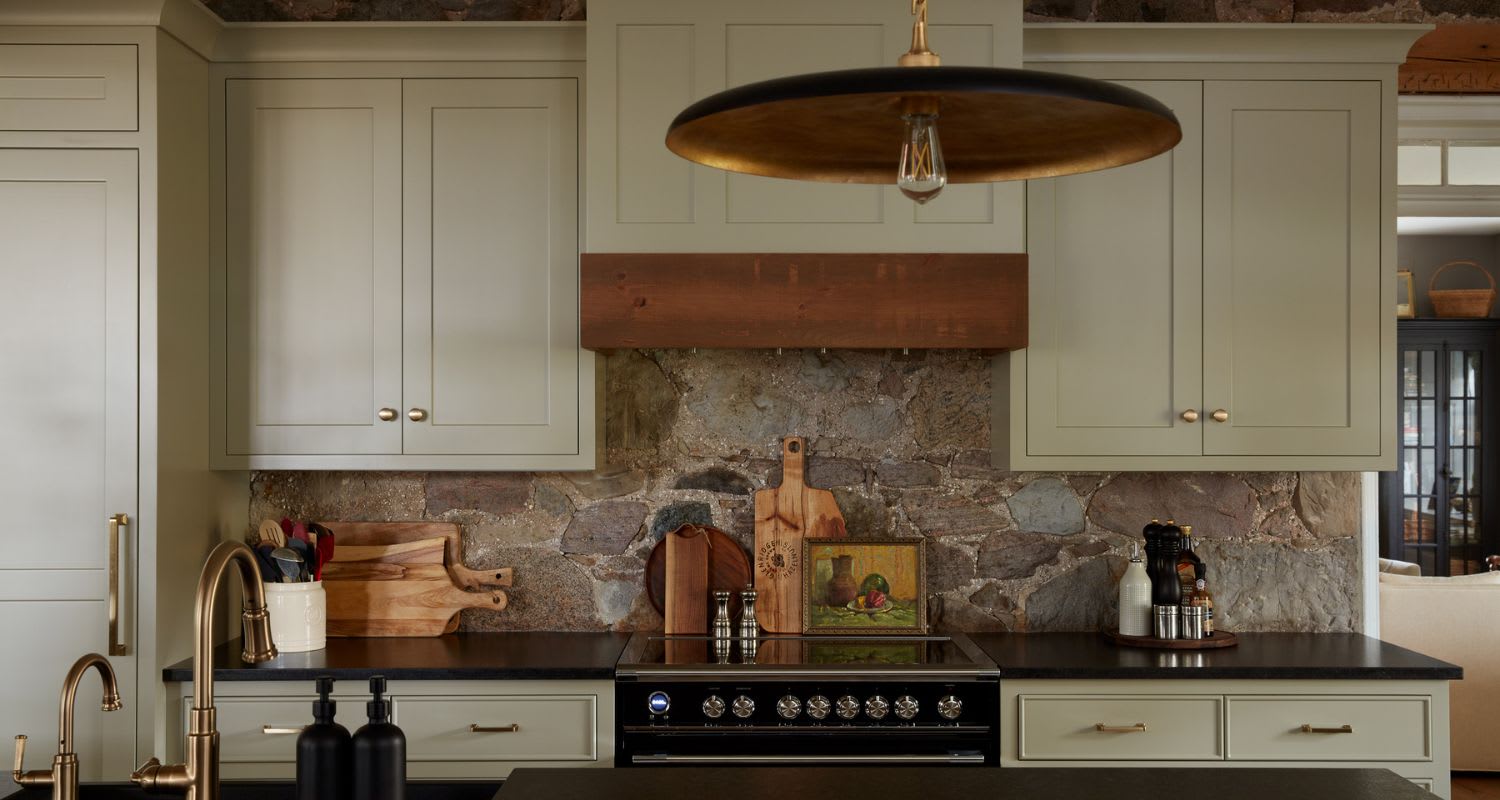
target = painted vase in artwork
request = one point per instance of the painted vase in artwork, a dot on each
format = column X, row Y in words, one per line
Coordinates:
column 842, row 587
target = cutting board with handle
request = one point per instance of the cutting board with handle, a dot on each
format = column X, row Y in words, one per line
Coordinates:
column 400, row 607
column 784, row 516
column 357, row 534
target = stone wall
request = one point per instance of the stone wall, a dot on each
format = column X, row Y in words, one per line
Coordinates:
column 1038, row 10
column 903, row 442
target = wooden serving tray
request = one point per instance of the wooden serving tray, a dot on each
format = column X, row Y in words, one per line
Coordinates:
column 1218, row 640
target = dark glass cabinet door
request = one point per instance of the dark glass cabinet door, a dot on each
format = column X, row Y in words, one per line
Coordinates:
column 1435, row 509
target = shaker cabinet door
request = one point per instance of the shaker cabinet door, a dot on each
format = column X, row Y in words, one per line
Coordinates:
column 1116, row 281
column 68, row 460
column 492, row 362
column 313, row 255
column 1292, row 278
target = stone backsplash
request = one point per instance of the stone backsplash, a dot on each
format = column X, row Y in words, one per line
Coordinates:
column 903, row 442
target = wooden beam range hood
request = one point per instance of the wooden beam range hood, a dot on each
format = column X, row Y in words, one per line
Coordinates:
column 802, row 300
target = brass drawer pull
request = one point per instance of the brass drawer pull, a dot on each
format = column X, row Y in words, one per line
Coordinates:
column 511, row 728
column 276, row 730
column 1139, row 727
column 1339, row 729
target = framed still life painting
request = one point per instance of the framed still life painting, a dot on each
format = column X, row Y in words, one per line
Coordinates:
column 864, row 586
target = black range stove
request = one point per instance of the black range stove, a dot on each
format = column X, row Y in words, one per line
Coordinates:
column 805, row 700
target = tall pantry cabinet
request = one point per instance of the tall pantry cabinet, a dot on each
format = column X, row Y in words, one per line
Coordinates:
column 104, row 472
column 1240, row 285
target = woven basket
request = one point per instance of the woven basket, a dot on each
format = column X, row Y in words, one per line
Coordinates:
column 1462, row 303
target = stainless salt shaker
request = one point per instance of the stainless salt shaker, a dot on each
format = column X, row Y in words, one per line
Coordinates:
column 1168, row 621
column 1192, row 622
column 723, row 626
column 749, row 627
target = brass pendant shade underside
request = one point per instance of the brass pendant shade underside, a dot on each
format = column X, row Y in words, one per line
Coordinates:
column 996, row 124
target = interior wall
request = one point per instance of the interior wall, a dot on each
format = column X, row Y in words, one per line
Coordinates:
column 1424, row 255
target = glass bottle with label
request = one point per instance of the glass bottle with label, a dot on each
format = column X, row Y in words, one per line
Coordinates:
column 1189, row 565
column 1204, row 599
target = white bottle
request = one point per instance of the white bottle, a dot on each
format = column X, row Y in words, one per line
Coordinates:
column 1135, row 597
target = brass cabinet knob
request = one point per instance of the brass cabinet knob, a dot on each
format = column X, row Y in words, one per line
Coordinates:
column 1220, row 415
column 1190, row 416
column 416, row 415
column 386, row 414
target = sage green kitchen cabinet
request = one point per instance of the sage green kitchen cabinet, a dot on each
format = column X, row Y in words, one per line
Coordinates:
column 1224, row 305
column 401, row 262
column 650, row 59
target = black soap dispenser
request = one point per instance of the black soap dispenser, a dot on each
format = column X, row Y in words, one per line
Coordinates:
column 325, row 753
column 379, row 751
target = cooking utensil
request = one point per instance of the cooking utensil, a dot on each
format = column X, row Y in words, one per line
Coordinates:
column 383, row 533
column 687, row 580
column 728, row 569
column 784, row 516
column 326, row 546
column 271, row 532
column 289, row 562
column 270, row 571
column 299, row 532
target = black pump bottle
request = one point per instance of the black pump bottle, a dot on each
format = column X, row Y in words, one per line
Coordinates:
column 379, row 751
column 325, row 753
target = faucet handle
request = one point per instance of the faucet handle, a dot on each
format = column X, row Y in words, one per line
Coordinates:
column 33, row 778
column 147, row 772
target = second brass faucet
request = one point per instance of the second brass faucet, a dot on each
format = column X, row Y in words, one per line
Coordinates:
column 63, row 777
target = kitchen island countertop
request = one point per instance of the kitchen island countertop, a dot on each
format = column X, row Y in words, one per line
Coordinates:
column 518, row 655
column 1259, row 656
column 958, row 783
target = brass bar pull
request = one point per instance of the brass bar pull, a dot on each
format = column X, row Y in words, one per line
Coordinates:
column 275, row 730
column 1139, row 727
column 1339, row 729
column 511, row 728
column 20, row 758
column 116, row 522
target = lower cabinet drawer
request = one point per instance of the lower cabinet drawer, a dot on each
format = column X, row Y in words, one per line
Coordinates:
column 540, row 728
column 264, row 731
column 1135, row 728
column 1330, row 728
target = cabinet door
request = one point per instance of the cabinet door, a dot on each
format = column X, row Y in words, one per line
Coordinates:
column 68, row 223
column 491, row 267
column 1116, row 268
column 313, row 232
column 1292, row 268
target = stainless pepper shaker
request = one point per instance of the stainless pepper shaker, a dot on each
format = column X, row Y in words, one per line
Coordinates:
column 749, row 626
column 723, row 626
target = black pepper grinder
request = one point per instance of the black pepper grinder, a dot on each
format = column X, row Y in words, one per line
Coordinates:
column 1152, row 532
column 325, row 753
column 1166, row 590
column 379, row 751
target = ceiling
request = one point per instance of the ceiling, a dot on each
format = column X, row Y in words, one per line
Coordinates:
column 1448, row 226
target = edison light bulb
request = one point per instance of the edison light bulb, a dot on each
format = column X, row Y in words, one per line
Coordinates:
column 922, row 173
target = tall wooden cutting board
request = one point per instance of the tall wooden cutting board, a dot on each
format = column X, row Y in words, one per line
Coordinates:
column 784, row 516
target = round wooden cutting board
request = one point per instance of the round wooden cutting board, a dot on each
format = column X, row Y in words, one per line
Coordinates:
column 728, row 569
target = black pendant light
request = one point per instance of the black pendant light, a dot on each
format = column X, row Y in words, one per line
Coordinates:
column 921, row 125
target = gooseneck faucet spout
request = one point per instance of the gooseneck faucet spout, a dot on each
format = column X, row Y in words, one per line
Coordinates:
column 198, row 779
column 63, row 777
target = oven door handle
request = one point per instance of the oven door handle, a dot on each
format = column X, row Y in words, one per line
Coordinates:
column 952, row 758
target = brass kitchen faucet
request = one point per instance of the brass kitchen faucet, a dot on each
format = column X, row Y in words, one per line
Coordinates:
column 63, row 777
column 198, row 779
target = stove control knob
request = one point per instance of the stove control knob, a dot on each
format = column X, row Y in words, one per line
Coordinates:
column 818, row 706
column 742, row 707
column 658, row 703
column 788, row 707
column 848, row 707
column 906, row 706
column 950, row 707
column 713, row 707
column 877, row 707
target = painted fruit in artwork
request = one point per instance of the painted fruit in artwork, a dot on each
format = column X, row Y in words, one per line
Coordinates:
column 877, row 582
column 874, row 599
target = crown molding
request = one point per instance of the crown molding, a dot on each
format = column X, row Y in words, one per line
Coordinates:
column 1278, row 43
column 400, row 41
column 186, row 20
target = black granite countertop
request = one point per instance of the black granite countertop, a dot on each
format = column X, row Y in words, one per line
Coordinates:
column 265, row 790
column 464, row 656
column 958, row 783
column 1274, row 656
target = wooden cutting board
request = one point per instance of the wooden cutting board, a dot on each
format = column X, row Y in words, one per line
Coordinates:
column 784, row 516
column 687, row 580
column 400, row 607
column 356, row 534
column 728, row 569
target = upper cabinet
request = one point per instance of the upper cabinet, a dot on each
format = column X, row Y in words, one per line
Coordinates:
column 400, row 274
column 650, row 59
column 1229, row 304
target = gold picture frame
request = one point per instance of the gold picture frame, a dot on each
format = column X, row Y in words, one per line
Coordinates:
column 869, row 587
column 1406, row 300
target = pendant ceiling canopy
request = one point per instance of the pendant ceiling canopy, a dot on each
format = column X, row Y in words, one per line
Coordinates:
column 882, row 125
